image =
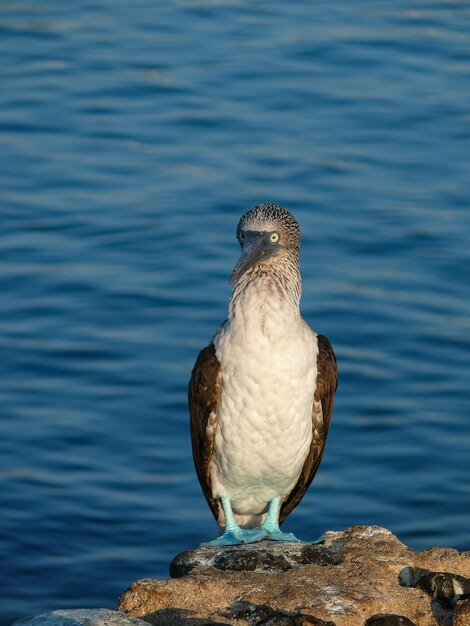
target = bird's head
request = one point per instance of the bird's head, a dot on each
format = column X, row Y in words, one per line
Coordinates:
column 268, row 234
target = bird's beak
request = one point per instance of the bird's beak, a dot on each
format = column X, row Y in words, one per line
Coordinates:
column 257, row 248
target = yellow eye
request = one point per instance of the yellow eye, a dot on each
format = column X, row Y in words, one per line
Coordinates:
column 274, row 238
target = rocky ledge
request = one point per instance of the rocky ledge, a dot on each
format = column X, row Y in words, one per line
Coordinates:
column 362, row 576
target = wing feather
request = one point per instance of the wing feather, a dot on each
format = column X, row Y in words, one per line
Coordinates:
column 326, row 384
column 204, row 397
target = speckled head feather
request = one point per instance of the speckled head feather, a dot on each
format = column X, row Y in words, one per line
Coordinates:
column 271, row 217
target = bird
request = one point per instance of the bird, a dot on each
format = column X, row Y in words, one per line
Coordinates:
column 261, row 393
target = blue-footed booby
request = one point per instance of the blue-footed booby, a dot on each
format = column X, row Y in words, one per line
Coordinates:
column 261, row 393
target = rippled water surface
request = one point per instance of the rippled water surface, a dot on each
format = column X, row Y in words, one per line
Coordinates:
column 133, row 135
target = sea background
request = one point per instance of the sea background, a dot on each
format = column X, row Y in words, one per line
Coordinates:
column 133, row 135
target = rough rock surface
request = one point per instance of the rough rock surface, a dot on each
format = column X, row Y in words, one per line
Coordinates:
column 80, row 617
column 362, row 576
column 264, row 556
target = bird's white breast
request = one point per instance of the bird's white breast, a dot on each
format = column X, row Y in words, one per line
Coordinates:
column 267, row 356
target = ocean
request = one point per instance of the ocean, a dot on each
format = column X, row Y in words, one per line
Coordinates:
column 132, row 138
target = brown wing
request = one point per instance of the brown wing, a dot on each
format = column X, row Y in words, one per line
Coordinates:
column 204, row 396
column 327, row 382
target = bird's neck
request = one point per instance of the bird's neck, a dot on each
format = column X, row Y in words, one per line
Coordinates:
column 269, row 291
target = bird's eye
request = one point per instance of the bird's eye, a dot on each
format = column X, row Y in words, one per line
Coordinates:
column 274, row 237
column 242, row 236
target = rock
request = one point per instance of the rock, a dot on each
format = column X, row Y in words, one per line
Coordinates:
column 263, row 556
column 267, row 616
column 81, row 617
column 387, row 619
column 363, row 575
column 462, row 613
column 442, row 587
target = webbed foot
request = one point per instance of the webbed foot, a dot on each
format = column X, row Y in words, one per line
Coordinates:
column 237, row 536
column 271, row 524
column 278, row 535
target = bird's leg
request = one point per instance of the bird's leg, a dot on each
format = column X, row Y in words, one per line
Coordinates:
column 234, row 535
column 271, row 523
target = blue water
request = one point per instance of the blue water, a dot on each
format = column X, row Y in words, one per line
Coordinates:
column 132, row 137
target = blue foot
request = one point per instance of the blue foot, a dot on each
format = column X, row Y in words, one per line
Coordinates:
column 273, row 532
column 237, row 537
column 271, row 523
column 278, row 535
